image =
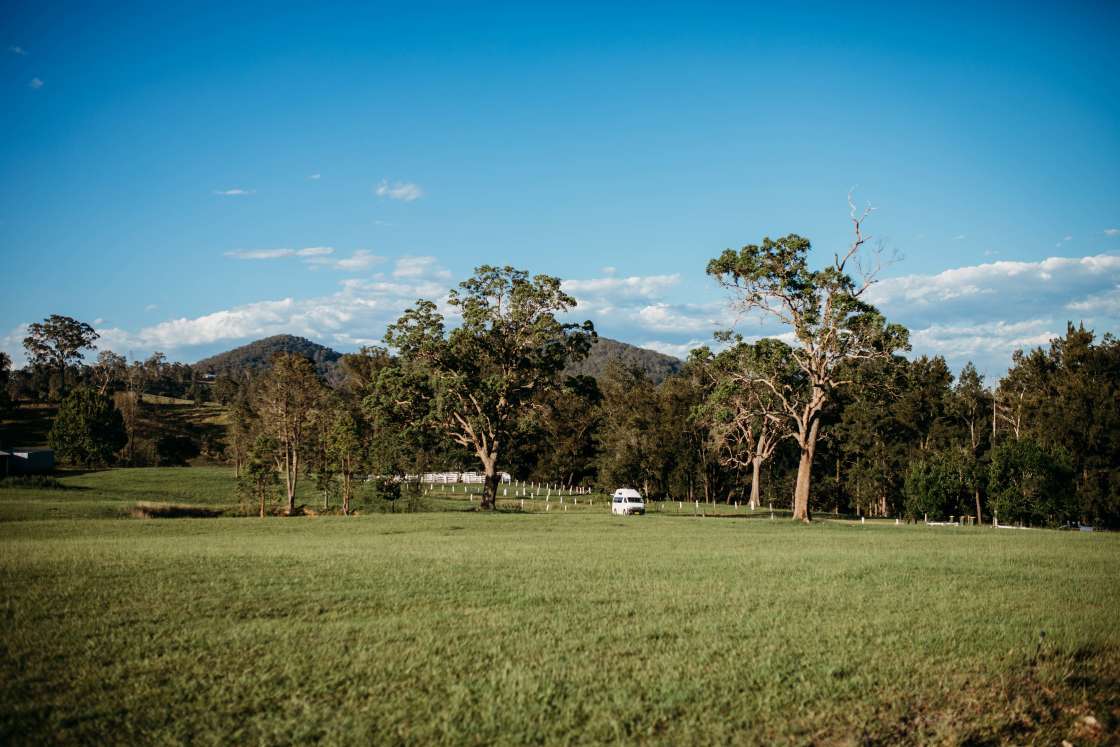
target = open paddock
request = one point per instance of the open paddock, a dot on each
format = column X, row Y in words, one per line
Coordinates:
column 456, row 626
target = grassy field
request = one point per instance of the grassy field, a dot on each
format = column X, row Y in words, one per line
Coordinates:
column 551, row 627
column 112, row 493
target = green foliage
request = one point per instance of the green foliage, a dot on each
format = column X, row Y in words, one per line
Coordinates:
column 258, row 480
column 287, row 400
column 935, row 486
column 1068, row 398
column 556, row 443
column 58, row 342
column 477, row 383
column 88, row 430
column 1031, row 485
column 827, row 315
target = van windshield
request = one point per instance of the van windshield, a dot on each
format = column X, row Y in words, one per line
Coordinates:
column 634, row 499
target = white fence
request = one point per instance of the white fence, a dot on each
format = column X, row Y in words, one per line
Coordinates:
column 470, row 478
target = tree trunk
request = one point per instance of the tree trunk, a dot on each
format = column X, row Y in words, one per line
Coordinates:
column 756, row 474
column 290, row 476
column 490, row 483
column 804, row 474
column 979, row 518
column 260, row 494
column 347, row 483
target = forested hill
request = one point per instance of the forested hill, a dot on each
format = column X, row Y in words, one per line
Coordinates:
column 257, row 355
column 657, row 366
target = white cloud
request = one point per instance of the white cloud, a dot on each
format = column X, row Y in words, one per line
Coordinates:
column 260, row 253
column 984, row 312
column 635, row 286
column 664, row 317
column 404, row 191
column 17, row 50
column 312, row 253
column 677, row 350
column 35, row 83
column 638, row 305
column 1106, row 303
column 1112, row 232
column 361, row 259
column 12, row 344
column 977, row 291
column 314, row 177
column 234, row 192
column 151, row 307
column 316, row 256
column 356, row 314
column 990, row 344
column 959, row 237
column 416, row 267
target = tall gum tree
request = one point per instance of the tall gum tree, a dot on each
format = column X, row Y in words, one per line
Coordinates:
column 485, row 375
column 58, row 341
column 831, row 323
column 286, row 400
column 747, row 421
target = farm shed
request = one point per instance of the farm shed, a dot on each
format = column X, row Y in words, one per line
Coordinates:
column 25, row 460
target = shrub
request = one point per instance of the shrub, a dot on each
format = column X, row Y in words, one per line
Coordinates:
column 1030, row 485
column 88, row 430
column 172, row 511
column 934, row 486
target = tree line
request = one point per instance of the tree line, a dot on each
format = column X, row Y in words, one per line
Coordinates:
column 838, row 419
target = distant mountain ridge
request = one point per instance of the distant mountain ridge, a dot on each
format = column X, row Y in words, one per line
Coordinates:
column 657, row 366
column 256, row 355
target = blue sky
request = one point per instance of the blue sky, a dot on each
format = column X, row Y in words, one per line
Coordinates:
column 194, row 177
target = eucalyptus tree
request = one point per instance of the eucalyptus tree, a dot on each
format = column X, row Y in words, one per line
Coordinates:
column 831, row 322
column 1067, row 400
column 287, row 398
column 971, row 404
column 258, row 479
column 629, row 455
column 109, row 370
column 58, row 342
column 480, row 379
column 346, row 438
column 747, row 420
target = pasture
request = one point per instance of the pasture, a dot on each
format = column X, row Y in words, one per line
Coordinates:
column 455, row 626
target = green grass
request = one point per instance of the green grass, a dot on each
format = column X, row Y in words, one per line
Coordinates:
column 551, row 628
column 113, row 493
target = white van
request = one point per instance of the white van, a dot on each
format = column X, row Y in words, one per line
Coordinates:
column 627, row 501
